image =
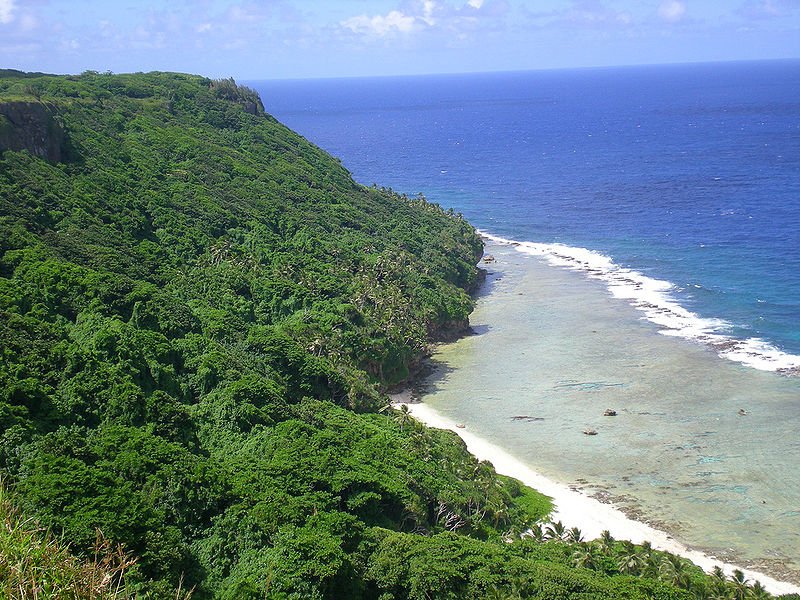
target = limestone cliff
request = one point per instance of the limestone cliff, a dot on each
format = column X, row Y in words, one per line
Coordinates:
column 31, row 126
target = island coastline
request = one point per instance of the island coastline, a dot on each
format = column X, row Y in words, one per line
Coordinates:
column 574, row 508
column 591, row 512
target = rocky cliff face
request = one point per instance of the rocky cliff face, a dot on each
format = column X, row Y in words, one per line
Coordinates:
column 31, row 126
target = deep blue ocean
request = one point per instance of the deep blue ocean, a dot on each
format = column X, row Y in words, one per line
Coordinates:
column 678, row 185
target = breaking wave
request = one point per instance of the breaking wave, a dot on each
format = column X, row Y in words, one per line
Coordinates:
column 654, row 298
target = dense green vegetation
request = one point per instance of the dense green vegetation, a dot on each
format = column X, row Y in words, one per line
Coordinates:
column 200, row 313
column 34, row 564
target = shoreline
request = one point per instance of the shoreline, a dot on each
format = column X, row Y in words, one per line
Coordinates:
column 654, row 298
column 576, row 509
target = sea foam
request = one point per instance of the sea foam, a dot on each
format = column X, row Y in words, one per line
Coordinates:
column 654, row 298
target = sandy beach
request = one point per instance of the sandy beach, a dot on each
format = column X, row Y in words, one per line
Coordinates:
column 575, row 509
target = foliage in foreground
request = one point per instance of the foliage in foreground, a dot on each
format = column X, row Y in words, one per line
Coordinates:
column 34, row 564
column 200, row 313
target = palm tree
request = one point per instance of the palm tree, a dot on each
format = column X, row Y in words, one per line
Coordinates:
column 719, row 589
column 499, row 511
column 402, row 417
column 713, row 593
column 574, row 535
column 652, row 561
column 758, row 592
column 555, row 531
column 740, row 587
column 631, row 561
column 675, row 570
column 605, row 543
column 718, row 574
column 585, row 556
column 537, row 532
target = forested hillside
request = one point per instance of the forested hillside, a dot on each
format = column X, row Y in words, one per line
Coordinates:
column 200, row 313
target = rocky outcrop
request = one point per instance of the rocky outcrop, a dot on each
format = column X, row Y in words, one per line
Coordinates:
column 253, row 108
column 247, row 97
column 448, row 331
column 31, row 126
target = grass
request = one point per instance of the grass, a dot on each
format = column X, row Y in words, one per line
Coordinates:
column 34, row 564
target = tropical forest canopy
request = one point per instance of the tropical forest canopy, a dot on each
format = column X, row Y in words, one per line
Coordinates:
column 200, row 314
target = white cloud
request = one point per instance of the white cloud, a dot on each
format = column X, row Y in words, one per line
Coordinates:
column 450, row 18
column 380, row 25
column 768, row 9
column 583, row 14
column 428, row 6
column 672, row 10
column 203, row 27
column 6, row 11
column 244, row 14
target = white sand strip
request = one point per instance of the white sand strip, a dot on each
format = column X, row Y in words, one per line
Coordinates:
column 575, row 509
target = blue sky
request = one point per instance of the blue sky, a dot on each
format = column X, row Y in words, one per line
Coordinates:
column 266, row 39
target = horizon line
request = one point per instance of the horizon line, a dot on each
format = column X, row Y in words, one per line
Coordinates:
column 526, row 70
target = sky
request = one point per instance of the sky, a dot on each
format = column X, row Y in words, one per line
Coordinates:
column 285, row 39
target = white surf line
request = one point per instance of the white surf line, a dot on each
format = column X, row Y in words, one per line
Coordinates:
column 653, row 298
column 575, row 509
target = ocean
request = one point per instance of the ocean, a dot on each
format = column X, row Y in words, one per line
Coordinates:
column 645, row 225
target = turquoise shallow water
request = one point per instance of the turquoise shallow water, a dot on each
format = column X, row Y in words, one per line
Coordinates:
column 555, row 346
column 672, row 187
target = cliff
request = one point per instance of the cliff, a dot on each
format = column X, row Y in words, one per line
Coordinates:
column 32, row 126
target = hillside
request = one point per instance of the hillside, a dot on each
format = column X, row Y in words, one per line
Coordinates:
column 200, row 313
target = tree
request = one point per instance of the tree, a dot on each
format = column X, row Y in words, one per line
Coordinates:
column 538, row 532
column 740, row 585
column 631, row 560
column 605, row 542
column 574, row 535
column 585, row 556
column 720, row 588
column 555, row 531
column 675, row 571
column 759, row 592
column 402, row 416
